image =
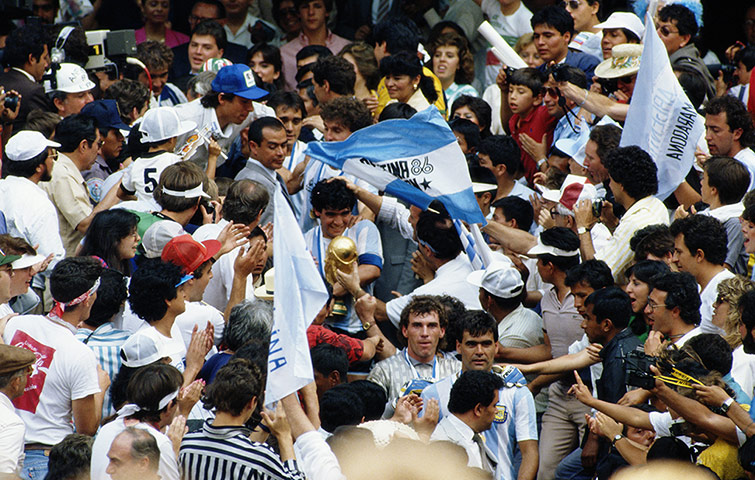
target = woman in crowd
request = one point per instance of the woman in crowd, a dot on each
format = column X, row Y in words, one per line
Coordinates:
column 112, row 237
column 453, row 64
column 265, row 61
column 727, row 315
column 362, row 57
column 156, row 14
column 474, row 109
column 405, row 81
column 640, row 277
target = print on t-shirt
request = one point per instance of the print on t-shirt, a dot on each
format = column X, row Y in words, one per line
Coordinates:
column 30, row 399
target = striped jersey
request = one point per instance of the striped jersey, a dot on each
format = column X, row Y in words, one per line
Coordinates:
column 106, row 342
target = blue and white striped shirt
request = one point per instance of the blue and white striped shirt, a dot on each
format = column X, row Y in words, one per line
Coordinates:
column 105, row 341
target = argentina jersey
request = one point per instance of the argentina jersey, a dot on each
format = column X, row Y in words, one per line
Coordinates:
column 515, row 419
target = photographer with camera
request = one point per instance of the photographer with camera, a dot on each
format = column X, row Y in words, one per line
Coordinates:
column 27, row 56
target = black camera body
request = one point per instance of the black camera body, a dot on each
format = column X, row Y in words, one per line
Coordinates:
column 11, row 101
column 638, row 370
column 558, row 72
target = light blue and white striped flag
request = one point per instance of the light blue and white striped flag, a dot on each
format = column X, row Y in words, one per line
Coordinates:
column 417, row 160
column 299, row 295
column 661, row 119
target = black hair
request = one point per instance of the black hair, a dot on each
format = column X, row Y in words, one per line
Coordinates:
column 397, row 110
column 150, row 384
column 528, row 77
column 22, row 42
column 244, row 201
column 573, row 75
column 669, row 448
column 73, row 276
column 290, row 100
column 340, row 406
column 372, row 395
column 564, row 239
column 634, row 169
column 25, row 168
column 398, row 37
column 153, row 283
column 299, row 3
column 474, row 388
column 502, row 150
column 653, row 239
column 736, row 112
column 681, row 291
column 75, row 47
column 468, row 129
column 423, row 305
column 111, row 295
column 333, row 195
column 235, row 385
column 606, row 138
column 685, row 19
column 703, row 232
column 455, row 310
column 693, row 84
column 213, row 29
column 711, row 350
column 129, row 95
column 439, row 232
column 71, row 458
column 107, row 229
column 270, row 54
column 348, row 112
column 595, row 273
column 518, row 209
column 216, row 3
column 481, row 109
column 256, row 127
column 555, row 17
column 72, row 130
column 646, row 270
column 477, row 323
column 256, row 352
column 746, row 56
column 405, row 63
column 312, row 50
column 327, row 358
column 338, row 72
column 611, row 303
column 729, row 176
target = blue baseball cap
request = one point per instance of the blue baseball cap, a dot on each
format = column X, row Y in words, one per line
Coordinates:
column 105, row 114
column 239, row 80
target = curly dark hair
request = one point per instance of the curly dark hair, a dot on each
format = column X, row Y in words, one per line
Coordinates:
column 595, row 273
column 465, row 72
column 737, row 115
column 338, row 72
column 606, row 137
column 422, row 305
column 153, row 283
column 633, row 168
column 681, row 291
column 348, row 111
column 653, row 240
column 704, row 233
column 481, row 109
column 332, row 194
column 235, row 385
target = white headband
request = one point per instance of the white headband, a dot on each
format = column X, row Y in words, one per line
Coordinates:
column 132, row 408
column 192, row 193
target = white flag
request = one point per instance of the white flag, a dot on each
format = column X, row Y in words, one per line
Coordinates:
column 661, row 119
column 299, row 295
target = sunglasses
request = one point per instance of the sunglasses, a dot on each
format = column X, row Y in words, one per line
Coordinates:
column 665, row 31
column 553, row 92
column 572, row 4
column 626, row 79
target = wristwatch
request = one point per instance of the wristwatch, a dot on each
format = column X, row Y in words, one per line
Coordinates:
column 616, row 438
column 726, row 405
column 582, row 230
column 367, row 325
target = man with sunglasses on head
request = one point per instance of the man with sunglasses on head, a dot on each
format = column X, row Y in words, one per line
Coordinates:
column 677, row 26
column 588, row 36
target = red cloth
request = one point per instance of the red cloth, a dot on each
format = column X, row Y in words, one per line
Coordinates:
column 317, row 334
column 536, row 124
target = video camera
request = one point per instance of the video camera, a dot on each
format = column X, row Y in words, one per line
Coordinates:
column 110, row 49
column 638, row 372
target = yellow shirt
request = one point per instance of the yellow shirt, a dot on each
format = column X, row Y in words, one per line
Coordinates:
column 384, row 98
column 67, row 190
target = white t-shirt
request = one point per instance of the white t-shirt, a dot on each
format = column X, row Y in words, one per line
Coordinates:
column 168, row 468
column 743, row 370
column 199, row 313
column 175, row 344
column 142, row 176
column 512, row 26
column 747, row 156
column 65, row 370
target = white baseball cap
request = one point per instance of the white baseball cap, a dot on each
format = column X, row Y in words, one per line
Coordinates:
column 26, row 145
column 162, row 123
column 574, row 189
column 500, row 278
column 142, row 349
column 626, row 20
column 543, row 249
column 158, row 235
column 70, row 78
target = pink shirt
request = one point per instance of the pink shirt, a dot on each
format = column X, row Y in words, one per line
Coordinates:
column 289, row 51
column 172, row 38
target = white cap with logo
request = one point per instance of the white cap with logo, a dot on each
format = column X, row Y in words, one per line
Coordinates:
column 26, row 145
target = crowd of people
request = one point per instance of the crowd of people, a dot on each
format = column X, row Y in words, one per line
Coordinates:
column 609, row 333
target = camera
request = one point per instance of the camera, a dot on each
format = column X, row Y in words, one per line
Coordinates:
column 509, row 71
column 558, row 72
column 109, row 49
column 11, row 101
column 728, row 71
column 607, row 85
column 597, row 208
column 638, row 372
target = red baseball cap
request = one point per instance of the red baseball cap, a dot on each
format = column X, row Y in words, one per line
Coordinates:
column 189, row 254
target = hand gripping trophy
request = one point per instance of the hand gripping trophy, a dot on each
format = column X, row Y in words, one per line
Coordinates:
column 341, row 255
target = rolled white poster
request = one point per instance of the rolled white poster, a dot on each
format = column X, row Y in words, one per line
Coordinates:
column 501, row 49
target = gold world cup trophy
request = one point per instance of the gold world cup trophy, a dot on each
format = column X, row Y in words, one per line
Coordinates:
column 341, row 255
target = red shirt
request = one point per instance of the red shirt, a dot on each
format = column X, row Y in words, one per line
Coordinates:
column 535, row 125
column 317, row 334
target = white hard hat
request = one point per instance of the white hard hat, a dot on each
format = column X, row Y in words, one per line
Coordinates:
column 70, row 78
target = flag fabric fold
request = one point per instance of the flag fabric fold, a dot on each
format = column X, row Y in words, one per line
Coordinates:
column 417, row 160
column 299, row 295
column 661, row 119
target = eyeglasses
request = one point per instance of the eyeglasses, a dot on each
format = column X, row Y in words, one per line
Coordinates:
column 572, row 4
column 665, row 31
column 653, row 306
column 554, row 212
column 626, row 79
column 553, row 92
column 53, row 154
